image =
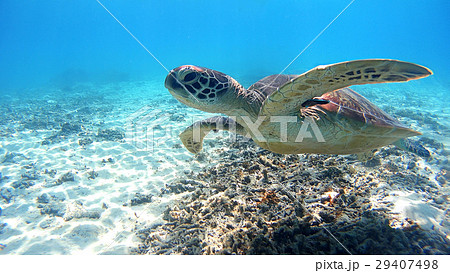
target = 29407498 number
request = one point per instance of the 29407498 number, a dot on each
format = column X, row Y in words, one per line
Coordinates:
column 407, row 264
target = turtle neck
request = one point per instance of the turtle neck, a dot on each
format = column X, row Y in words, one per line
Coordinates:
column 244, row 102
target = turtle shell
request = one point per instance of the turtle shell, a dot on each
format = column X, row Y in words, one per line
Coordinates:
column 348, row 103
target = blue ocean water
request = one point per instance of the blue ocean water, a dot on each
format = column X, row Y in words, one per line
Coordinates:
column 43, row 41
column 72, row 80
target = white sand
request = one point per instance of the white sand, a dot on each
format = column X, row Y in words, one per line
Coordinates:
column 143, row 163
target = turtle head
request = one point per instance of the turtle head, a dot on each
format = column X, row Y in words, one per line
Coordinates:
column 201, row 88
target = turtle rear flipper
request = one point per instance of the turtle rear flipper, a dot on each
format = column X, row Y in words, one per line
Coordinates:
column 192, row 137
column 289, row 97
column 412, row 146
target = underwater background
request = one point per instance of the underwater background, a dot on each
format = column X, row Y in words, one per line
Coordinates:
column 45, row 41
column 78, row 176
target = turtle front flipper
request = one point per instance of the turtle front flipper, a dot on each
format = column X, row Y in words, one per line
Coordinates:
column 289, row 97
column 192, row 137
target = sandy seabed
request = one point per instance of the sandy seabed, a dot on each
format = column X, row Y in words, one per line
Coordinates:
column 100, row 169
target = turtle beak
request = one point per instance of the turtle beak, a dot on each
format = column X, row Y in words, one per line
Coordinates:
column 171, row 80
column 173, row 85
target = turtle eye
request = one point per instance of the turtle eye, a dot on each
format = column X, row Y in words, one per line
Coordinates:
column 189, row 76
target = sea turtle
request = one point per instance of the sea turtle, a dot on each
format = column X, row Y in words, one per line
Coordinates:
column 314, row 112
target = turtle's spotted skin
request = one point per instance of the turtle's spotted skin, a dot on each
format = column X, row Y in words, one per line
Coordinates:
column 204, row 84
column 348, row 122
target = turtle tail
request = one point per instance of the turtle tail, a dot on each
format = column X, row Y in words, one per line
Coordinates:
column 412, row 146
column 192, row 137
